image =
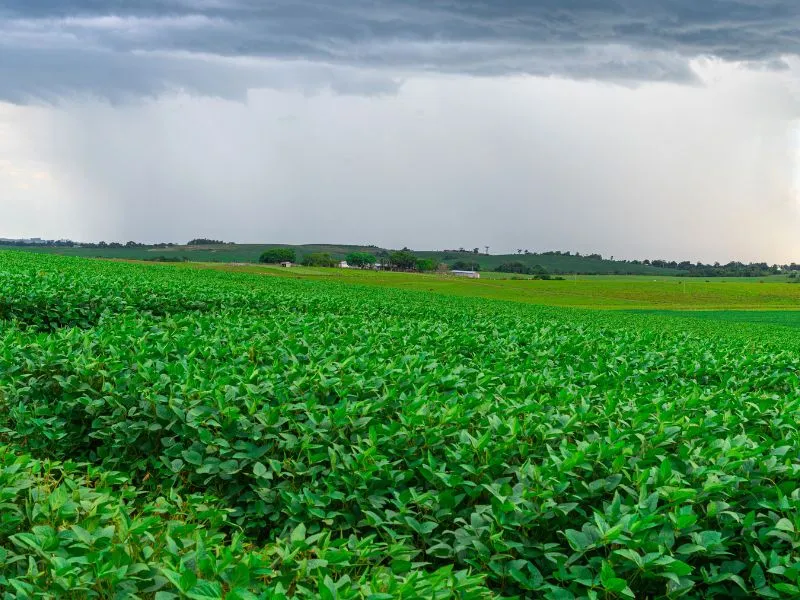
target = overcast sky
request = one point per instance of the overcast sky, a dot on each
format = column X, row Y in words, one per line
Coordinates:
column 636, row 128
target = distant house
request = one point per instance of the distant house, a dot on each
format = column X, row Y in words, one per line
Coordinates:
column 286, row 263
column 343, row 264
column 470, row 274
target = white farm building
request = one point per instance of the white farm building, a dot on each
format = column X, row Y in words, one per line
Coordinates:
column 470, row 274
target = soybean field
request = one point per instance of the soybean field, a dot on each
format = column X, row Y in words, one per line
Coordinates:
column 171, row 432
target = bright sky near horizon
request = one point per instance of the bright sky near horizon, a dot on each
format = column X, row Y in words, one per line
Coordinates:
column 639, row 129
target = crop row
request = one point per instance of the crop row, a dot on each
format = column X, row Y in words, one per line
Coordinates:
column 71, row 532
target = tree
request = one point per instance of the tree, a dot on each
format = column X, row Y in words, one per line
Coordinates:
column 360, row 259
column 205, row 242
column 512, row 267
column 426, row 264
column 466, row 265
column 318, row 259
column 278, row 255
column 476, row 251
column 537, row 269
column 403, row 260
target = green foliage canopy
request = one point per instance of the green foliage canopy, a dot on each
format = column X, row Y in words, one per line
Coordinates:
column 360, row 259
column 403, row 260
column 520, row 267
column 426, row 264
column 278, row 255
column 465, row 265
column 318, row 259
column 207, row 434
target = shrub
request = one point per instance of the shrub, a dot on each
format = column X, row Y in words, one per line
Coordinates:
column 426, row 264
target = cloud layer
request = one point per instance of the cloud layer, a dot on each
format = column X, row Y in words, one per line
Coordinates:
column 223, row 47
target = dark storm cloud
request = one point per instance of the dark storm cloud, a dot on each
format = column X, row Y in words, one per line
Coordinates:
column 137, row 47
column 35, row 75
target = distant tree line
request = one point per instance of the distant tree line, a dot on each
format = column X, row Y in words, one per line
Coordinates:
column 207, row 242
column 538, row 271
column 406, row 260
column 72, row 244
column 394, row 260
column 731, row 269
column 167, row 259
column 462, row 250
column 130, row 244
column 520, row 267
column 465, row 265
column 38, row 243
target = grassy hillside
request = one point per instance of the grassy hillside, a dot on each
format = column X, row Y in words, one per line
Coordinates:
column 251, row 252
